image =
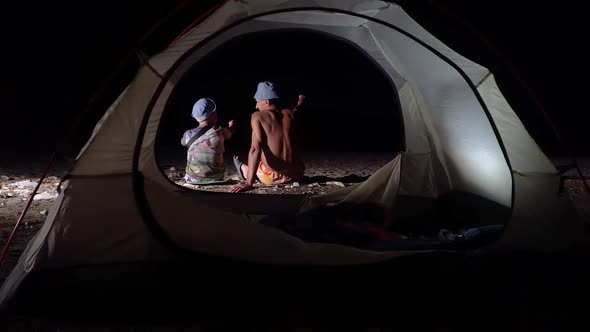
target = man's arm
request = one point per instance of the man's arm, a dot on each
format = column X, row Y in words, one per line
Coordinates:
column 300, row 100
column 253, row 155
column 255, row 149
column 230, row 130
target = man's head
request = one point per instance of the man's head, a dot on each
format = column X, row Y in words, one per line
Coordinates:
column 265, row 95
column 203, row 109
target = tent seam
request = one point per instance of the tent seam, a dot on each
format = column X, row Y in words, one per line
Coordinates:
column 488, row 74
column 145, row 60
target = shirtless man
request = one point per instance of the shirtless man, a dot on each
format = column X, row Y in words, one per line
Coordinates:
column 272, row 153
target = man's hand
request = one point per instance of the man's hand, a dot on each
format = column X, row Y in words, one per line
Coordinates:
column 241, row 187
column 300, row 99
column 230, row 130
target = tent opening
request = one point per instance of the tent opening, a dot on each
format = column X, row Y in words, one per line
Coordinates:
column 349, row 126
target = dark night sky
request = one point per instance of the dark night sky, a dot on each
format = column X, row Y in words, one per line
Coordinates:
column 56, row 55
column 341, row 93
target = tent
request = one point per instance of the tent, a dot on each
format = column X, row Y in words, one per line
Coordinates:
column 462, row 139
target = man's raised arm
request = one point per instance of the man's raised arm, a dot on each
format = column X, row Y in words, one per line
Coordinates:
column 300, row 100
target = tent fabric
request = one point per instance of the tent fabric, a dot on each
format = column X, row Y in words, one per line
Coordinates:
column 461, row 136
column 542, row 220
column 380, row 188
column 517, row 141
column 110, row 150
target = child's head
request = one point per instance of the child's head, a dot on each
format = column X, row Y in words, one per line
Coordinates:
column 205, row 109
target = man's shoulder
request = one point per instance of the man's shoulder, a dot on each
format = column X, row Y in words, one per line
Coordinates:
column 288, row 112
column 256, row 117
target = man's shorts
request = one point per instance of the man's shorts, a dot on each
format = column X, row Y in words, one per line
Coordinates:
column 269, row 176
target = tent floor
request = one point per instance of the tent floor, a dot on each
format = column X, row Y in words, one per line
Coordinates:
column 443, row 289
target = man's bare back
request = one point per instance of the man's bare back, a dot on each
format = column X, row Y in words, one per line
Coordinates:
column 273, row 156
column 276, row 143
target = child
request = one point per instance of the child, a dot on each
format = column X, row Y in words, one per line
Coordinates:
column 205, row 144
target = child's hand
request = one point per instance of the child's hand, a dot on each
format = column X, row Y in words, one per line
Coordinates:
column 230, row 124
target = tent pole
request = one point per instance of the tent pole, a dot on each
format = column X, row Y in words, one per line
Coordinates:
column 196, row 21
